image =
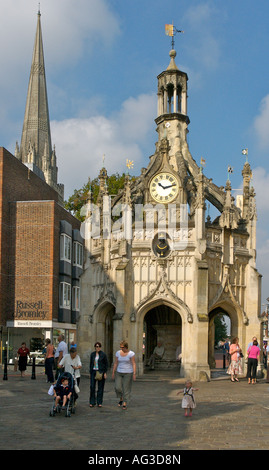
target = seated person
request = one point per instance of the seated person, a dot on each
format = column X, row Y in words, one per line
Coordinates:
column 158, row 353
column 62, row 392
column 178, row 354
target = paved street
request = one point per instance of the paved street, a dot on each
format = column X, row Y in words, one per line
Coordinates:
column 228, row 416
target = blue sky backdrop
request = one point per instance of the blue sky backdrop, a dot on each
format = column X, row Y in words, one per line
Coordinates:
column 102, row 58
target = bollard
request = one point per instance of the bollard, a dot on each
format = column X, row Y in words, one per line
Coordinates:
column 5, row 369
column 224, row 361
column 33, row 369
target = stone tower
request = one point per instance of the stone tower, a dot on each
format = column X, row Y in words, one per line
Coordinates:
column 36, row 150
column 165, row 272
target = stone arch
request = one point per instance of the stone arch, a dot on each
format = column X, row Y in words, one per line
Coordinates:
column 104, row 314
column 155, row 305
column 236, row 318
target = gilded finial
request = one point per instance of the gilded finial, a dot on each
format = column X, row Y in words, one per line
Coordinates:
column 245, row 152
column 129, row 164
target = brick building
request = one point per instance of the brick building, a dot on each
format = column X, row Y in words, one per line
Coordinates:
column 41, row 259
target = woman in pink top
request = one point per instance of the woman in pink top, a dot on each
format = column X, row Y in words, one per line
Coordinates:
column 253, row 354
column 235, row 367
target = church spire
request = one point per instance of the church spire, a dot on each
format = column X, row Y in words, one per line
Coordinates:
column 36, row 126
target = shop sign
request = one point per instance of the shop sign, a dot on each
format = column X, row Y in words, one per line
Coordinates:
column 30, row 311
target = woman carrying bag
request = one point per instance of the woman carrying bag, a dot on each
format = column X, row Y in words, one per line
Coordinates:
column 98, row 373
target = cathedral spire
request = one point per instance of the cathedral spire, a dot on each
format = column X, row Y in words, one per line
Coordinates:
column 36, row 124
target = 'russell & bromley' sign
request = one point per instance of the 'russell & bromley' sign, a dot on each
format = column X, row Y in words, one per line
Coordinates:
column 30, row 310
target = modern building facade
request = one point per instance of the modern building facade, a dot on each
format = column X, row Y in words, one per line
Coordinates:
column 41, row 260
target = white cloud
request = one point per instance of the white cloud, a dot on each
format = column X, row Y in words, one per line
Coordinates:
column 68, row 35
column 261, row 185
column 81, row 143
column 200, row 23
column 261, row 124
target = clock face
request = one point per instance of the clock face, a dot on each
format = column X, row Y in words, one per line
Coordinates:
column 164, row 187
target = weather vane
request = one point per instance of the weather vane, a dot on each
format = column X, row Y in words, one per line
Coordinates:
column 171, row 30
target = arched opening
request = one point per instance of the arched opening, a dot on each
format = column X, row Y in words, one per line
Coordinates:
column 162, row 324
column 220, row 327
column 105, row 329
column 170, row 98
column 179, row 100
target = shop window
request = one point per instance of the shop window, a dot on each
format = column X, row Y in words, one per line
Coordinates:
column 76, row 298
column 77, row 254
column 65, row 247
column 65, row 295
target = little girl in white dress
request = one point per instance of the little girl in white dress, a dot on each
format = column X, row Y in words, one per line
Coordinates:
column 188, row 400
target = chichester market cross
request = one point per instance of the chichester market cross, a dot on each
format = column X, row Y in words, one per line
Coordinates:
column 158, row 269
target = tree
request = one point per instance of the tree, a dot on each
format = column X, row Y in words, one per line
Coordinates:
column 115, row 183
column 220, row 328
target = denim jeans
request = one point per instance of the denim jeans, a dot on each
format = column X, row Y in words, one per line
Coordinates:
column 100, row 389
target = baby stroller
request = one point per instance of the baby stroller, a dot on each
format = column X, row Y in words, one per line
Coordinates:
column 70, row 405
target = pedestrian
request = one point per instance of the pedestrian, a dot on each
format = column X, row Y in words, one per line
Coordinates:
column 98, row 373
column 23, row 353
column 235, row 367
column 61, row 351
column 124, row 372
column 251, row 343
column 49, row 360
column 253, row 354
column 226, row 347
column 72, row 364
column 188, row 400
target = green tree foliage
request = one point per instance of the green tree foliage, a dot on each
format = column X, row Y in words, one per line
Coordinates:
column 115, row 183
column 221, row 332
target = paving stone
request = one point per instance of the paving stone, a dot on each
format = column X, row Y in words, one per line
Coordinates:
column 224, row 418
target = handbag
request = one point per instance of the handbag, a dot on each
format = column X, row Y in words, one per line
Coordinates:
column 50, row 390
column 98, row 375
column 76, row 387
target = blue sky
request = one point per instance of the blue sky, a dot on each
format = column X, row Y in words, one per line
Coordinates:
column 102, row 58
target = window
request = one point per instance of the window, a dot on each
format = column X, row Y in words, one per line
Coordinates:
column 65, row 295
column 65, row 247
column 77, row 254
column 76, row 298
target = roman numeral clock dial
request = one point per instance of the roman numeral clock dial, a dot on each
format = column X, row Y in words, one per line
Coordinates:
column 164, row 187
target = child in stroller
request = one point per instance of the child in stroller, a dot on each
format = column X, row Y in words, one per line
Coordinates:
column 63, row 395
